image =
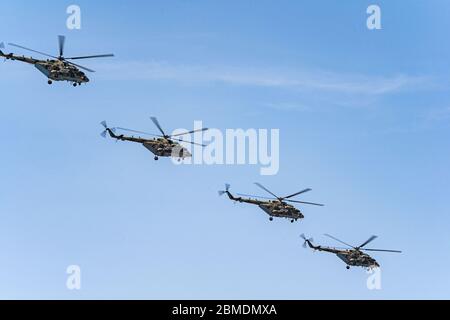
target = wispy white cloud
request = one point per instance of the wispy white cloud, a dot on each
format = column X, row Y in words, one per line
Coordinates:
column 437, row 115
column 271, row 78
column 289, row 106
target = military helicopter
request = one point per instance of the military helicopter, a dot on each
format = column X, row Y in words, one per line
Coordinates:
column 161, row 146
column 58, row 68
column 352, row 257
column 274, row 207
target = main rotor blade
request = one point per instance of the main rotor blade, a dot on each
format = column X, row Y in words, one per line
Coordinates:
column 140, row 132
column 61, row 43
column 156, row 123
column 304, row 202
column 194, row 143
column 368, row 241
column 25, row 48
column 77, row 65
column 296, row 194
column 90, row 57
column 267, row 190
column 256, row 197
column 330, row 236
column 190, row 132
column 382, row 250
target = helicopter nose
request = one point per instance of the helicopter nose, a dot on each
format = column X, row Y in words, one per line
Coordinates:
column 86, row 79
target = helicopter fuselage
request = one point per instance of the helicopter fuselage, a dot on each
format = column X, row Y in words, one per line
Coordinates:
column 274, row 208
column 281, row 209
column 351, row 257
column 356, row 258
column 160, row 147
column 59, row 71
column 54, row 70
column 166, row 148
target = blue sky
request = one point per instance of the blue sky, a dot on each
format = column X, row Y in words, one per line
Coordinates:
column 363, row 118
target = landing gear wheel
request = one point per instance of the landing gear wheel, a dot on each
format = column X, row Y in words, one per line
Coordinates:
column 292, row 221
column 49, row 81
column 156, row 158
column 75, row 84
column 270, row 219
column 348, row 267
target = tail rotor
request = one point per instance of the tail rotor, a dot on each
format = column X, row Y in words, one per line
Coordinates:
column 227, row 189
column 306, row 241
column 105, row 125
